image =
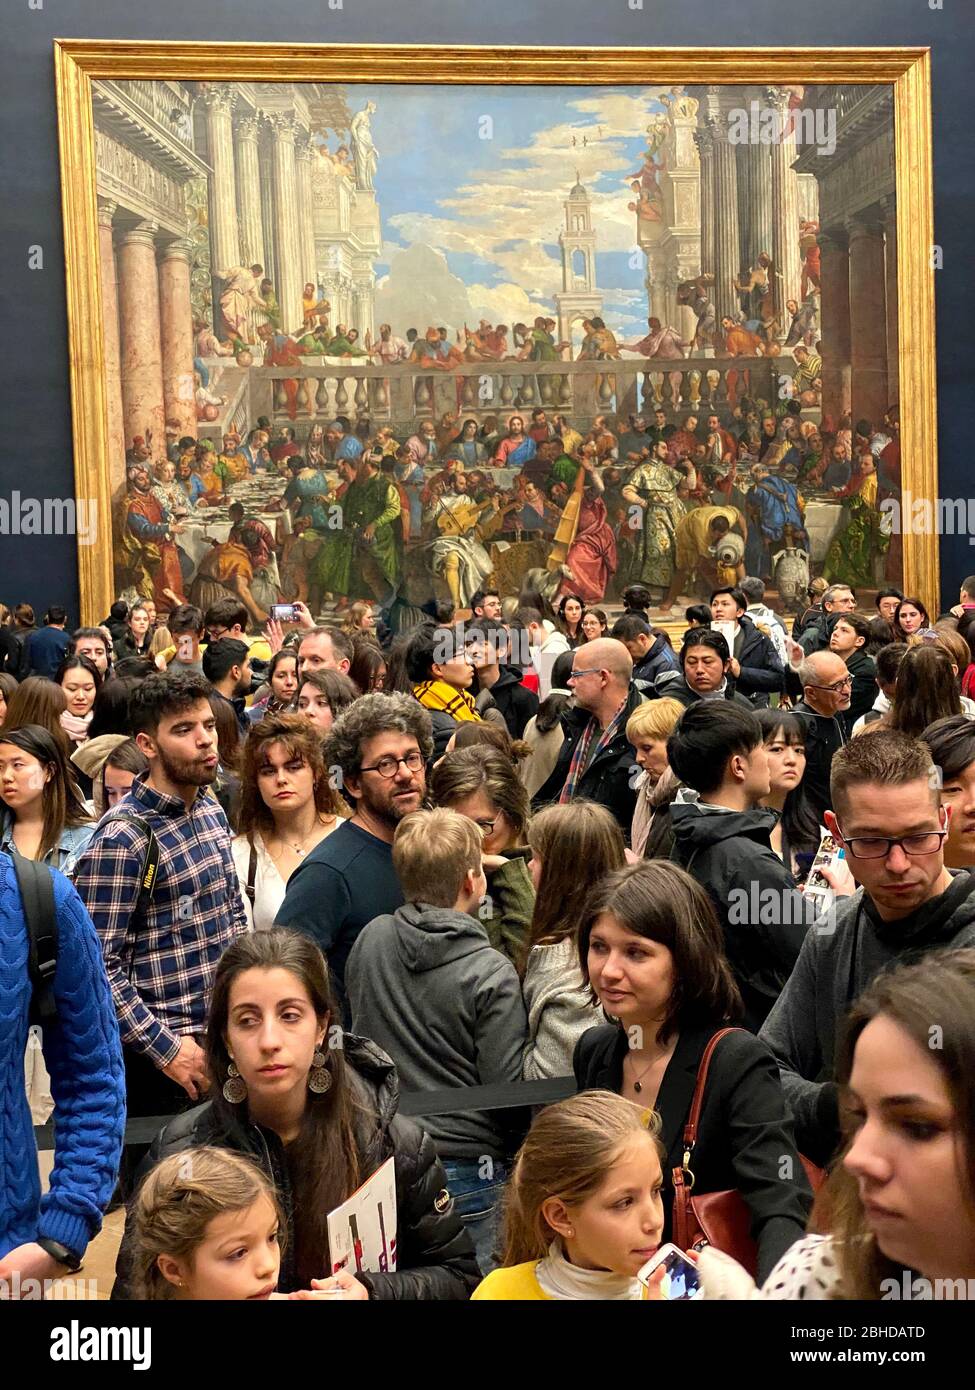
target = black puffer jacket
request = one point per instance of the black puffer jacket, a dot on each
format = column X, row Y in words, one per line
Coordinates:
column 435, row 1255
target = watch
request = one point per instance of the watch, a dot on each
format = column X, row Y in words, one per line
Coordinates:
column 61, row 1253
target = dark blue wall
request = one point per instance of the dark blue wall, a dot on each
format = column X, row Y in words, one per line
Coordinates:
column 34, row 386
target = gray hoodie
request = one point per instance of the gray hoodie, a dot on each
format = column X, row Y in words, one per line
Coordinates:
column 428, row 987
column 833, row 969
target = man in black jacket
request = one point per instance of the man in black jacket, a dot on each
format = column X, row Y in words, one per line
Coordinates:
column 826, row 686
column 652, row 655
column 754, row 666
column 815, row 635
column 488, row 645
column 721, row 837
column 596, row 761
column 705, row 667
column 849, row 637
column 886, row 815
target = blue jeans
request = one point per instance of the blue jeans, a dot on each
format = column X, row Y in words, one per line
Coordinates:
column 478, row 1203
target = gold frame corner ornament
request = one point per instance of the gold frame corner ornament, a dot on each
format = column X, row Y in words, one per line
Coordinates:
column 77, row 62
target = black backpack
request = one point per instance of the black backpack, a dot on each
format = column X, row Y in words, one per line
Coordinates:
column 37, row 893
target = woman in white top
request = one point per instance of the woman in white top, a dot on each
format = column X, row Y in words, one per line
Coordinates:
column 897, row 1211
column 573, row 847
column 287, row 807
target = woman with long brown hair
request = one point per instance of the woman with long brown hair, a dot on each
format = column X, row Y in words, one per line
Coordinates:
column 287, row 807
column 927, row 689
column 315, row 1108
column 572, row 847
column 39, row 701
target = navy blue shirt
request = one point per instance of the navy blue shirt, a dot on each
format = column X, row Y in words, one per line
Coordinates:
column 346, row 881
column 46, row 649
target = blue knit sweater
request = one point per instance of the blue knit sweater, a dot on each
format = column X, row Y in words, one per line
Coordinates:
column 84, row 1057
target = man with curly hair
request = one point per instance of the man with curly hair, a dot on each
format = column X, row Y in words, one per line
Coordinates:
column 377, row 752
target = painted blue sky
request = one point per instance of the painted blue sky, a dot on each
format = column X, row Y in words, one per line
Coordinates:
column 479, row 174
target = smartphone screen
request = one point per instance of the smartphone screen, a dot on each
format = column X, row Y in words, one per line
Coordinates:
column 681, row 1280
column 284, row 612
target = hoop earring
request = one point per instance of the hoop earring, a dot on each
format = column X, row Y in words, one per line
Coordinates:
column 319, row 1078
column 234, row 1088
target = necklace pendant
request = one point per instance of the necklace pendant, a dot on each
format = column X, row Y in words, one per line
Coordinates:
column 637, row 1087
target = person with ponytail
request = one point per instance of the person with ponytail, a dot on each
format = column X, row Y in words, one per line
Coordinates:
column 315, row 1108
column 583, row 1209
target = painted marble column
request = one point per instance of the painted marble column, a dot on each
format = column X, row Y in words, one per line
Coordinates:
column 111, row 345
column 759, row 237
column 835, row 329
column 726, row 238
column 704, row 140
column 176, row 334
column 305, row 209
column 785, row 204
column 868, row 315
column 893, row 316
column 285, row 190
column 246, row 135
column 218, row 101
column 139, row 332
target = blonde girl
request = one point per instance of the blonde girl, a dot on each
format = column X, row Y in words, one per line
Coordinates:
column 583, row 1209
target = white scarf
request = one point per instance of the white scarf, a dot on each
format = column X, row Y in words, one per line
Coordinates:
column 560, row 1279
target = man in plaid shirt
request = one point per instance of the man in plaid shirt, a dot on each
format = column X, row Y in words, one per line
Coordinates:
column 160, row 953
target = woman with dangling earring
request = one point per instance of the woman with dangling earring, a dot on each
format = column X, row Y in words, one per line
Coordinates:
column 315, row 1109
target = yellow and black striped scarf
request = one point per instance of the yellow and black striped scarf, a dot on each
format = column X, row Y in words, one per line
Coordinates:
column 439, row 695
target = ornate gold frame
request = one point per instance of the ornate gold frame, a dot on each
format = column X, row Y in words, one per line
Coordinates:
column 78, row 61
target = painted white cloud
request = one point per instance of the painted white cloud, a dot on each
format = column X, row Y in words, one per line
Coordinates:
column 507, row 215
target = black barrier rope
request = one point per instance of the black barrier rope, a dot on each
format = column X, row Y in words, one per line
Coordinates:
column 454, row 1100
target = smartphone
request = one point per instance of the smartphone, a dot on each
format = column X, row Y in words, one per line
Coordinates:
column 284, row 612
column 682, row 1278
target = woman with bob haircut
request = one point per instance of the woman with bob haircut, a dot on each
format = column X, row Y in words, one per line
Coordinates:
column 897, row 1213
column 648, row 729
column 287, row 807
column 650, row 947
column 315, row 1109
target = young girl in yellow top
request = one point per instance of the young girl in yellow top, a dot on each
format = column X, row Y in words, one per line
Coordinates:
column 583, row 1208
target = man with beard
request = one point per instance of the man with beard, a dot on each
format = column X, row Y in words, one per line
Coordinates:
column 161, row 942
column 226, row 665
column 379, row 747
column 517, row 448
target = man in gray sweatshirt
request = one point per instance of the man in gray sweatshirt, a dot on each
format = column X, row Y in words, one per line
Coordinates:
column 426, row 984
column 887, row 816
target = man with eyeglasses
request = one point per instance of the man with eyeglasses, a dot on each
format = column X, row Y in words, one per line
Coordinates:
column 888, row 819
column 376, row 752
column 596, row 762
column 827, row 688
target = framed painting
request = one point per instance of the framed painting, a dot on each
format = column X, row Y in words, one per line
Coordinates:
column 389, row 323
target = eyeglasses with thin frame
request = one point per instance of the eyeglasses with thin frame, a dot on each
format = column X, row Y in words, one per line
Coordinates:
column 589, row 671
column 870, row 847
column 836, row 687
column 389, row 766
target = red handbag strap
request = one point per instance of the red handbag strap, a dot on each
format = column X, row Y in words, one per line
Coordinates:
column 690, row 1129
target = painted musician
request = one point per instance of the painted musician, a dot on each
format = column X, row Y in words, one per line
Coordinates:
column 460, row 526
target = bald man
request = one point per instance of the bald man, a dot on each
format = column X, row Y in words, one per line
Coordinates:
column 826, row 689
column 596, row 760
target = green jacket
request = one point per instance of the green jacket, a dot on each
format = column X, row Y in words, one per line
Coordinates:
column 507, row 912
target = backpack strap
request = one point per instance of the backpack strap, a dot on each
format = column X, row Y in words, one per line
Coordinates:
column 251, row 875
column 150, row 863
column 37, row 893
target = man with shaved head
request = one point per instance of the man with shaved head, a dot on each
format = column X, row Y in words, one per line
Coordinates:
column 826, row 690
column 596, row 760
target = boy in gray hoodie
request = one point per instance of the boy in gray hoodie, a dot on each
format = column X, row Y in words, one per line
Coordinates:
column 427, row 986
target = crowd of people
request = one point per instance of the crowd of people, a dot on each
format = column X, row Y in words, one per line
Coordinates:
column 294, row 868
